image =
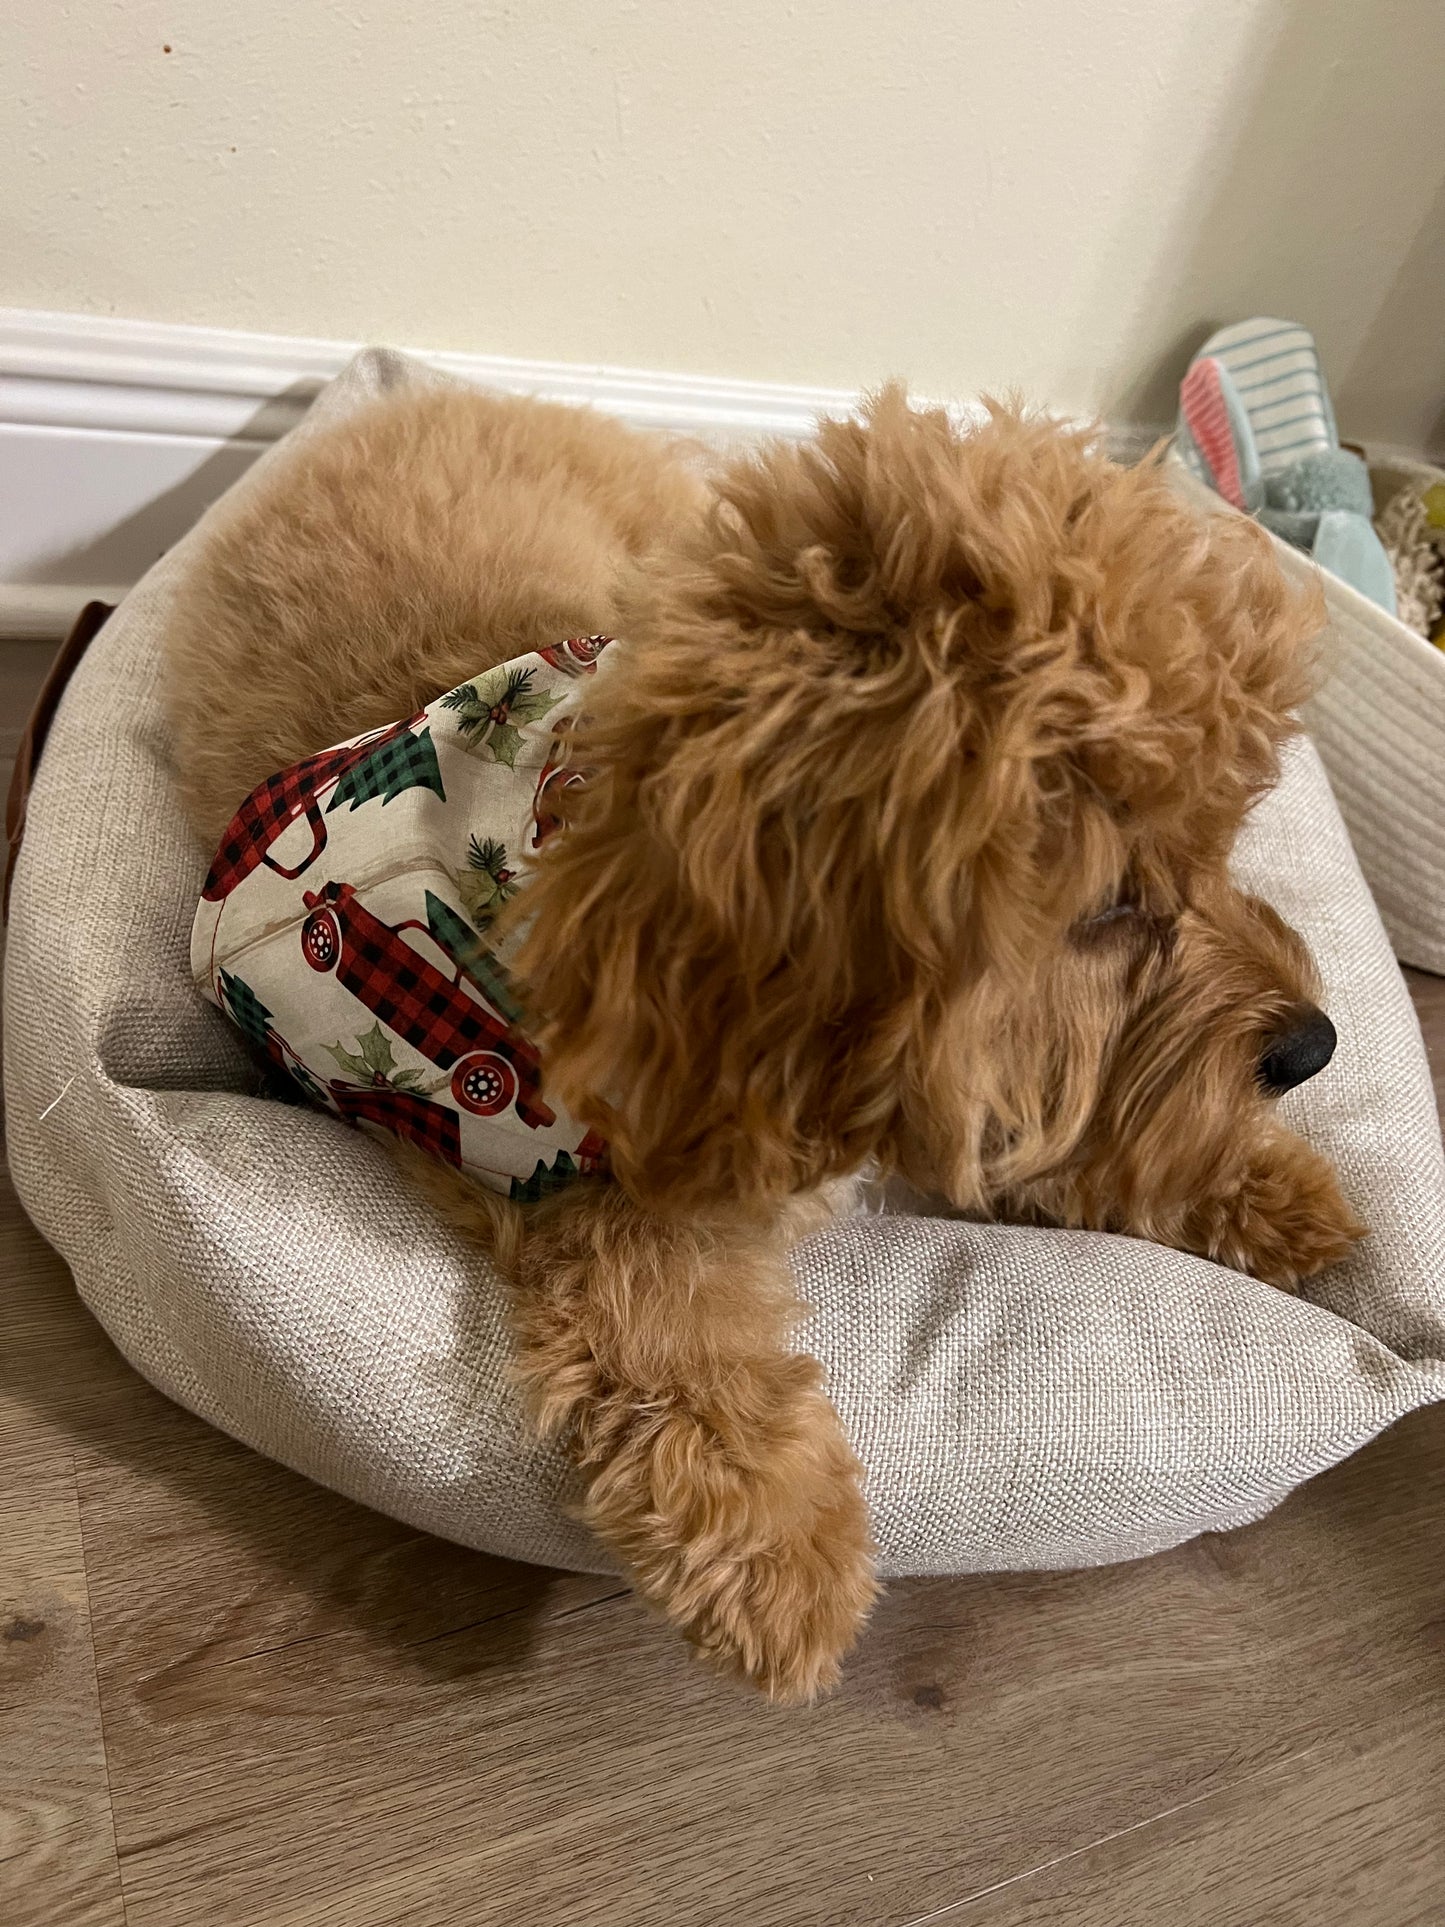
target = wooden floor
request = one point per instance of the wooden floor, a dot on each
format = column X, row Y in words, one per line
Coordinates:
column 231, row 1699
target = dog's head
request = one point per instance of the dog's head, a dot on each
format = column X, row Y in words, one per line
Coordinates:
column 908, row 828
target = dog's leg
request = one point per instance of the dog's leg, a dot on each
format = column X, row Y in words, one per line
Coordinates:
column 717, row 1469
column 1283, row 1219
column 1274, row 1209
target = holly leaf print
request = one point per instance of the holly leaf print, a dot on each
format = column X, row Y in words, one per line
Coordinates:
column 501, row 687
column 464, row 696
column 489, row 854
column 376, row 1049
column 356, row 1067
column 532, row 705
column 504, row 742
column 493, row 710
column 478, row 894
column 482, row 896
column 376, row 1064
column 487, row 882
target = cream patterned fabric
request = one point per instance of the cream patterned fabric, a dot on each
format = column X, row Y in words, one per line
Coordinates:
column 343, row 924
column 1020, row 1398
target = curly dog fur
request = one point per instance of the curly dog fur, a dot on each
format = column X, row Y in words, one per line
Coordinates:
column 905, row 845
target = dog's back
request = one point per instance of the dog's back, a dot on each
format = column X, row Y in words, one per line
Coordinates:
column 392, row 557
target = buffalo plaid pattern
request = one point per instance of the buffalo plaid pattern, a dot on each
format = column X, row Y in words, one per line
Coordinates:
column 415, row 1120
column 398, row 763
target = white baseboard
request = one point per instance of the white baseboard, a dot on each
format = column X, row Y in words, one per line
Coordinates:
column 116, row 435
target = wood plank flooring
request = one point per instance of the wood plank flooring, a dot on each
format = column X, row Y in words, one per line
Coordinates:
column 231, row 1699
column 57, row 1842
column 227, row 1696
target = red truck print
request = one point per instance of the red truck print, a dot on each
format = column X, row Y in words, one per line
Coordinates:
column 492, row 1065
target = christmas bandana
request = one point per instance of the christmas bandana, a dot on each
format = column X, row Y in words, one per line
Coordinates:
column 343, row 927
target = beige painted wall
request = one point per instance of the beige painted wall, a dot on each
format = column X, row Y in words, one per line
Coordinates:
column 1059, row 194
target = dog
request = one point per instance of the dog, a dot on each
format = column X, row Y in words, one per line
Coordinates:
column 902, row 848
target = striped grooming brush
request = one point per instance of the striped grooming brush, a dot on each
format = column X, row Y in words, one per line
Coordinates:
column 1256, row 425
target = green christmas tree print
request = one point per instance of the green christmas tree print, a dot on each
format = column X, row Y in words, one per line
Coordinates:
column 493, row 709
column 246, row 1011
column 407, row 762
column 253, row 1020
column 403, row 764
column 546, row 1180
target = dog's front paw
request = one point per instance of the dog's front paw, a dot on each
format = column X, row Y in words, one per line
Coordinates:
column 716, row 1467
column 1284, row 1221
column 781, row 1613
column 745, row 1525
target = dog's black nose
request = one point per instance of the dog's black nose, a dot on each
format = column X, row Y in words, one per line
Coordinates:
column 1306, row 1047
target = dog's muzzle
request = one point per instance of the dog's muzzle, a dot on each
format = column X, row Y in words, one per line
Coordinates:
column 1306, row 1047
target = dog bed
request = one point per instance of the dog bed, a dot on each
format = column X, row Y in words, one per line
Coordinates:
column 1021, row 1398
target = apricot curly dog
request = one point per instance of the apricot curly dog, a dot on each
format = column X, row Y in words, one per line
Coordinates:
column 904, row 846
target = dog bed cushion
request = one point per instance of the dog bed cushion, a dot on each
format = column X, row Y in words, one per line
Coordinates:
column 1021, row 1398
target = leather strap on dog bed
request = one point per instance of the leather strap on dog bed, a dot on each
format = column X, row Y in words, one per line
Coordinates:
column 85, row 629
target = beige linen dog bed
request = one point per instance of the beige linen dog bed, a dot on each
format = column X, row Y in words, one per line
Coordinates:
column 1020, row 1398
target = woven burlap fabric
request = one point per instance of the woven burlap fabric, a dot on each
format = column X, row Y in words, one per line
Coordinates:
column 1020, row 1397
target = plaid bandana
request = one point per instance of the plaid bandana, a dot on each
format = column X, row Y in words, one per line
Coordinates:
column 344, row 925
